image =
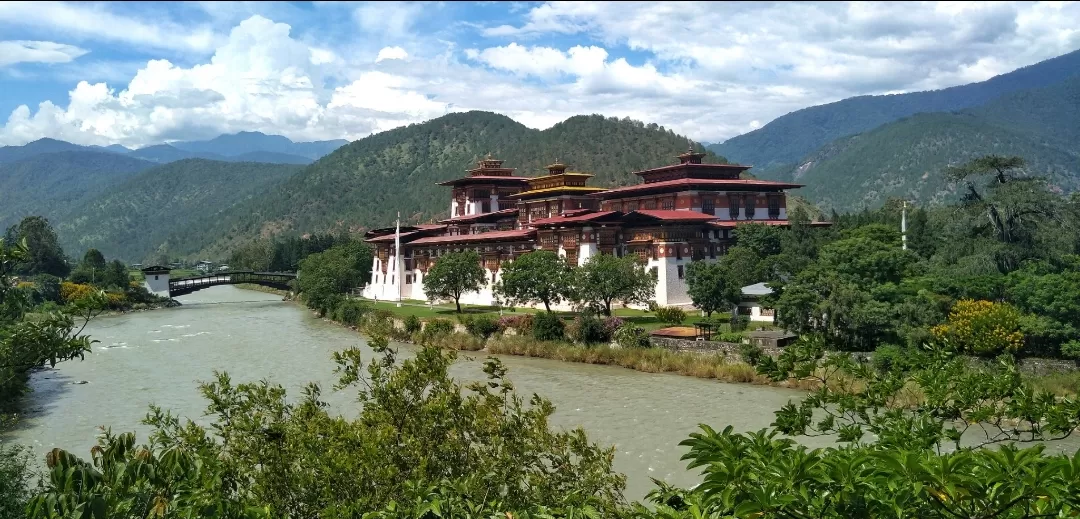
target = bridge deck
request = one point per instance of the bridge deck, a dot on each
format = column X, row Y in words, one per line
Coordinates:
column 183, row 286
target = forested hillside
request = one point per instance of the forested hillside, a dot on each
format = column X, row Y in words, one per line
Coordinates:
column 365, row 183
column 789, row 138
column 135, row 219
column 907, row 158
column 53, row 183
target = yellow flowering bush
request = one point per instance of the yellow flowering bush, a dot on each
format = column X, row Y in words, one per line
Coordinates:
column 25, row 285
column 71, row 292
column 982, row 327
column 116, row 300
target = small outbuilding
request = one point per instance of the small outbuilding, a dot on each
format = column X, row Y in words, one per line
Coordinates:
column 750, row 305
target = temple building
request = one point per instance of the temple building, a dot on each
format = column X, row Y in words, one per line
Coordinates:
column 677, row 214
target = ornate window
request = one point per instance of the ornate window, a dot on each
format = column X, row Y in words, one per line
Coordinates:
column 708, row 205
column 733, row 207
column 650, row 204
column 750, row 203
column 774, row 208
column 668, row 204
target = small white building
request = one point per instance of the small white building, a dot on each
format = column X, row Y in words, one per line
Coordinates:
column 156, row 280
column 750, row 305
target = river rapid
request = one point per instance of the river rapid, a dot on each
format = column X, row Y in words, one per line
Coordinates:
column 159, row 357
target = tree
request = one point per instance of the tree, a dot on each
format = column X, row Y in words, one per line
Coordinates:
column 44, row 253
column 454, row 274
column 424, row 445
column 604, row 279
column 711, row 288
column 539, row 276
column 330, row 274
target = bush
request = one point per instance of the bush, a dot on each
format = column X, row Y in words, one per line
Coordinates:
column 481, row 326
column 588, row 329
column 983, row 328
column 458, row 342
column 671, row 314
column 436, row 327
column 630, row 336
column 735, row 337
column 1071, row 350
column 47, row 288
column 741, row 323
column 521, row 324
column 351, row 312
column 611, row 325
column 751, row 354
column 548, row 327
column 413, row 324
column 71, row 292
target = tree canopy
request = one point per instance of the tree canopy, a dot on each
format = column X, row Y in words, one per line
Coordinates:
column 454, row 274
column 605, row 279
column 537, row 277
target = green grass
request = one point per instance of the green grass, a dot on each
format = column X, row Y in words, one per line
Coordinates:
column 137, row 275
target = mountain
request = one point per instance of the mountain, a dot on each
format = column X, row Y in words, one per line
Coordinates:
column 50, row 184
column 38, row 147
column 269, row 157
column 164, row 153
column 135, row 218
column 115, row 148
column 789, row 138
column 907, row 158
column 231, row 145
column 365, row 183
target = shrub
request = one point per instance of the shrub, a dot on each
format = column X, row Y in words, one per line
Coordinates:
column 436, row 327
column 47, row 287
column 413, row 324
column 548, row 327
column 482, row 326
column 1071, row 350
column 671, row 314
column 522, row 323
column 458, row 342
column 611, row 325
column 116, row 301
column 71, row 292
column 982, row 328
column 735, row 337
column 630, row 336
column 351, row 312
column 588, row 329
column 751, row 354
column 740, row 323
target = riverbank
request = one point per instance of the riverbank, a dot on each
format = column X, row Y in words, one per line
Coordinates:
column 267, row 290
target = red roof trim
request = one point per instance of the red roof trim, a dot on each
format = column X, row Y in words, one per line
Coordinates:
column 673, row 215
column 518, row 234
column 390, row 237
column 579, row 218
column 739, row 167
column 484, row 178
column 690, row 182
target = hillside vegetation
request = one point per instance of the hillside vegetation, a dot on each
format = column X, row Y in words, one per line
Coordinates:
column 365, row 183
column 907, row 158
column 135, row 219
column 791, row 137
column 54, row 183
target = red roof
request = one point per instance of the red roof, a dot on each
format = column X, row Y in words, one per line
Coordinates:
column 474, row 217
column 431, row 226
column 730, row 224
column 673, row 215
column 692, row 182
column 518, row 234
column 738, row 167
column 390, row 237
column 588, row 217
column 484, row 178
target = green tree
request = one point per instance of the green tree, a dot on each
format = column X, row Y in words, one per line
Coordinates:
column 44, row 253
column 424, row 445
column 326, row 276
column 454, row 274
column 604, row 279
column 711, row 288
column 537, row 277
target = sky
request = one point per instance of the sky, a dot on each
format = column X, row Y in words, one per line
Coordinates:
column 137, row 74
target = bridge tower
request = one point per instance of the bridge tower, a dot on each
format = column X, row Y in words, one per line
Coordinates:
column 156, row 280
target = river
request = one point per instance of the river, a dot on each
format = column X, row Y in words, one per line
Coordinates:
column 159, row 357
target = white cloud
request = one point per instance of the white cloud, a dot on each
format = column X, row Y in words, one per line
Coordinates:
column 24, row 51
column 391, row 53
column 94, row 21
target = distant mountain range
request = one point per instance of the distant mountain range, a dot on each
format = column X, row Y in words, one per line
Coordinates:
column 238, row 147
column 788, row 139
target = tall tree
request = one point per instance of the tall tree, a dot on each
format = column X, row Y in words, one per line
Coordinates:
column 537, row 277
column 454, row 274
column 605, row 279
column 93, row 259
column 711, row 288
column 330, row 274
column 44, row 254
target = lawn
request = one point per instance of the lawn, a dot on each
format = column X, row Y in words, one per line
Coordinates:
column 642, row 318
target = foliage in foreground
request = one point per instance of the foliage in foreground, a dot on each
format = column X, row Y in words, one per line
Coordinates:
column 423, row 446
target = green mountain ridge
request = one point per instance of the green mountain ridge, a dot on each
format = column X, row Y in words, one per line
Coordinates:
column 794, row 136
column 907, row 158
column 365, row 183
column 133, row 220
column 52, row 184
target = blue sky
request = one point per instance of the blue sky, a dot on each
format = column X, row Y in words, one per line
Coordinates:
column 143, row 73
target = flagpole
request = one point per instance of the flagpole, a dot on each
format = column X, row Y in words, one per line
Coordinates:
column 398, row 258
